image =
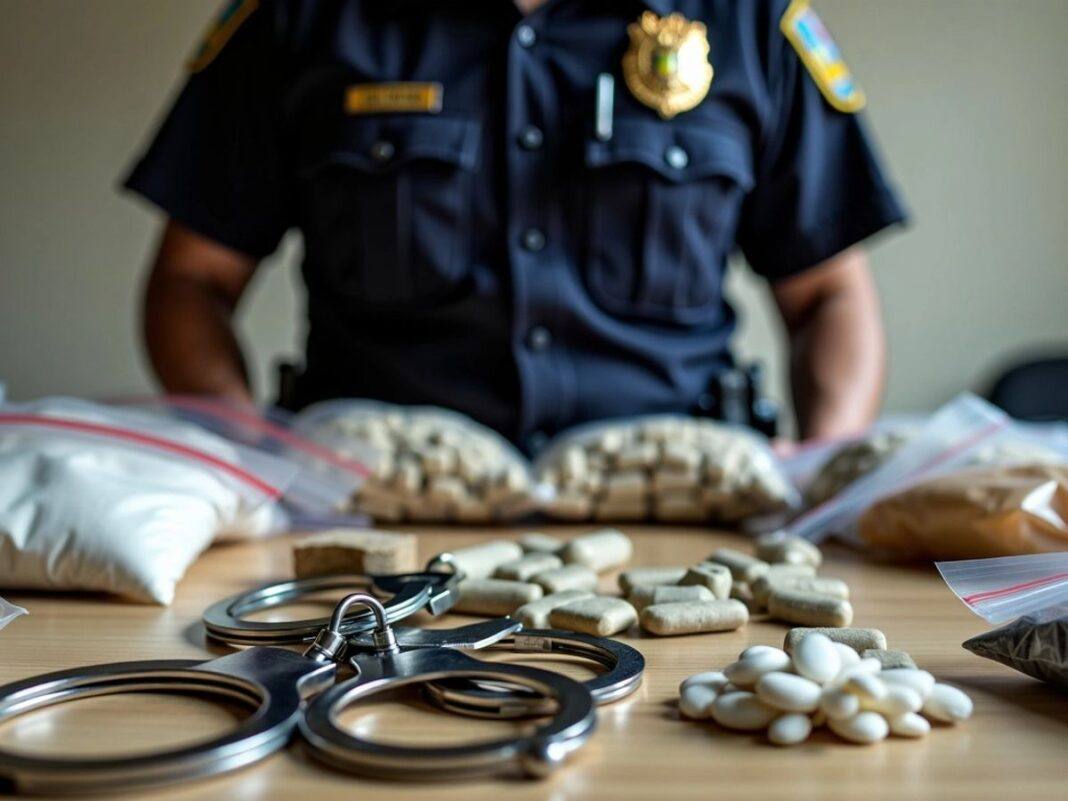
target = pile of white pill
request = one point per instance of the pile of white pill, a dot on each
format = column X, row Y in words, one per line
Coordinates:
column 668, row 468
column 429, row 465
column 821, row 682
column 544, row 582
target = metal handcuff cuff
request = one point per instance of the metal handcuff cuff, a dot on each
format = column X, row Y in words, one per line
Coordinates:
column 226, row 621
column 275, row 684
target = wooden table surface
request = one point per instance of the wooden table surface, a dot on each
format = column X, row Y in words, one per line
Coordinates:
column 1013, row 748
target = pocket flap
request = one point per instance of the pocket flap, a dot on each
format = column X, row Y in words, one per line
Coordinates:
column 678, row 152
column 380, row 143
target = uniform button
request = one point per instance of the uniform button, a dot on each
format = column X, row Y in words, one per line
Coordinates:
column 382, row 151
column 533, row 240
column 525, row 35
column 676, row 157
column 539, row 338
column 531, row 137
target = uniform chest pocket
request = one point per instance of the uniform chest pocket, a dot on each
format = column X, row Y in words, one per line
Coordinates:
column 663, row 202
column 387, row 208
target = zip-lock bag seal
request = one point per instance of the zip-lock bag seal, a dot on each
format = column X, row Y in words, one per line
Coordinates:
column 120, row 500
column 1030, row 591
column 318, row 493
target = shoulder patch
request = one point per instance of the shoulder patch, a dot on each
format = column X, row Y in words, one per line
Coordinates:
column 821, row 57
column 226, row 22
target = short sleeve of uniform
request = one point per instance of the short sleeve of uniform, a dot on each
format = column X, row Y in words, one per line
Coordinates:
column 820, row 186
column 215, row 164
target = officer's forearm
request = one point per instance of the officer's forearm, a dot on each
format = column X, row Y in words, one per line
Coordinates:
column 192, row 291
column 837, row 345
column 191, row 341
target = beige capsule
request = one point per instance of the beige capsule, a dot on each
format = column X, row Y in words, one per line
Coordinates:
column 570, row 506
column 709, row 574
column 809, row 609
column 681, row 456
column 679, row 507
column 643, row 596
column 694, row 617
column 627, row 484
column 785, row 578
column 472, row 510
column 741, row 591
column 601, row 616
column 527, row 567
column 673, row 479
column 568, row 577
column 495, row 597
column 445, row 489
column 649, row 576
column 611, row 509
column 600, row 551
column 779, row 547
column 640, row 455
column 535, row 615
column 480, row 561
column 856, row 638
column 742, row 566
column 536, row 542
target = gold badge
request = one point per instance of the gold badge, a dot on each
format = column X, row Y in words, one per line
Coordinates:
column 667, row 65
column 383, row 98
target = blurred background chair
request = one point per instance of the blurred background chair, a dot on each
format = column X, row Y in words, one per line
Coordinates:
column 1036, row 389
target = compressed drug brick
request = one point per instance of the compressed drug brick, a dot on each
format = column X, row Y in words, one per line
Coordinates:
column 600, row 551
column 352, row 551
column 495, row 597
column 694, row 617
column 535, row 615
column 600, row 617
column 858, row 639
column 889, row 659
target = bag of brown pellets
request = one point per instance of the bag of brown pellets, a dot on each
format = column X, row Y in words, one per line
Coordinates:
column 1031, row 592
column 668, row 468
column 426, row 464
column 953, row 489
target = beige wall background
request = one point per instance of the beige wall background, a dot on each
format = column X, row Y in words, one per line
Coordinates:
column 967, row 97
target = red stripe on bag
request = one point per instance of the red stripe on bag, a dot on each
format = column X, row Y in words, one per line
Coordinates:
column 975, row 597
column 145, row 439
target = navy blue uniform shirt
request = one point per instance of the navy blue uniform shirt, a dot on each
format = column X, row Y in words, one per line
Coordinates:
column 496, row 256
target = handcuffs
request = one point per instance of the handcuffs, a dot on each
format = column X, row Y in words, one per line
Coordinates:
column 286, row 690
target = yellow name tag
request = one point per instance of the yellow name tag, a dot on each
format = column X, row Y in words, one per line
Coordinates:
column 379, row 98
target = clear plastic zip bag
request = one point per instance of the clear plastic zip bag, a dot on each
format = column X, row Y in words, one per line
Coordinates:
column 122, row 500
column 1029, row 591
column 319, row 492
column 965, row 434
column 426, row 464
column 8, row 612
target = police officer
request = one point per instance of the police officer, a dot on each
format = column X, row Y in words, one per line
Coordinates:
column 522, row 211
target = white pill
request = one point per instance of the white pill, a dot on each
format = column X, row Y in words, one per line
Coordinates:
column 898, row 701
column 743, row 711
column 846, row 654
column 816, row 658
column 695, row 701
column 710, row 678
column 867, row 666
column 919, row 680
column 788, row 692
column 947, row 704
column 745, row 672
column 837, row 704
column 866, row 686
column 862, row 728
column 909, row 725
column 857, row 639
column 790, row 729
column 600, row 551
column 753, row 650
